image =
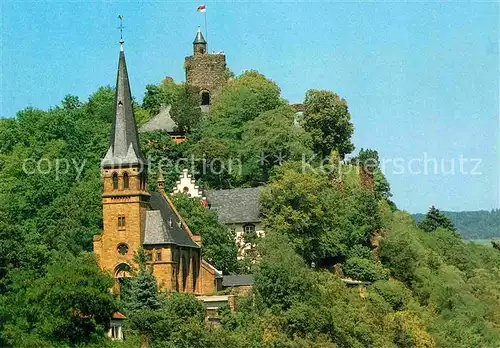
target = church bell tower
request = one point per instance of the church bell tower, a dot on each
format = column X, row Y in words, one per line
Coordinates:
column 125, row 195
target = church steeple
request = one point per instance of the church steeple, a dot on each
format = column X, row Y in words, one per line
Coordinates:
column 199, row 43
column 124, row 149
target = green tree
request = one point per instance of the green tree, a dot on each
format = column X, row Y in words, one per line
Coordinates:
column 434, row 219
column 240, row 101
column 323, row 219
column 218, row 242
column 327, row 118
column 282, row 277
column 71, row 102
column 144, row 292
column 185, row 109
column 69, row 305
column 270, row 139
column 158, row 96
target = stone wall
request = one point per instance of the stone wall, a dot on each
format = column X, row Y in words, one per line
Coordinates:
column 206, row 72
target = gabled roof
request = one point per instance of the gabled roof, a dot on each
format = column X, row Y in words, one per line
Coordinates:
column 124, row 145
column 239, row 205
column 161, row 122
column 164, row 225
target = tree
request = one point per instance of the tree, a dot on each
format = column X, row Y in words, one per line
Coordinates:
column 368, row 160
column 158, row 96
column 327, row 118
column 144, row 287
column 282, row 277
column 322, row 219
column 71, row 102
column 101, row 104
column 434, row 219
column 185, row 109
column 219, row 246
column 270, row 139
column 69, row 305
column 240, row 101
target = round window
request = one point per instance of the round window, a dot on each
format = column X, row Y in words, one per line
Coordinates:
column 122, row 249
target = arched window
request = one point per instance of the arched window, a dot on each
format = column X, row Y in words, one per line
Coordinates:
column 122, row 270
column 185, row 272
column 205, row 98
column 143, row 180
column 125, row 180
column 195, row 272
column 115, row 181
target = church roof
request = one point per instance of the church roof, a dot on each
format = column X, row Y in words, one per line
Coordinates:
column 199, row 39
column 161, row 122
column 124, row 142
column 164, row 226
column 239, row 205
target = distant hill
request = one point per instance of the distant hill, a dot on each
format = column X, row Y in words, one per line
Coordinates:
column 480, row 224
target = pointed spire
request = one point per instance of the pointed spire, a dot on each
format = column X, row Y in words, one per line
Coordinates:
column 199, row 39
column 124, row 149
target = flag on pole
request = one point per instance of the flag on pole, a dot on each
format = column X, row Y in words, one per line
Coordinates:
column 202, row 8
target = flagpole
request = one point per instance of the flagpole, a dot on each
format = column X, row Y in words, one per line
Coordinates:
column 206, row 29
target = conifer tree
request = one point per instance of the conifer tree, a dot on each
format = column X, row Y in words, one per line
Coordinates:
column 145, row 289
column 434, row 219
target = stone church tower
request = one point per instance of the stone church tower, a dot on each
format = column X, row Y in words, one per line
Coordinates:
column 135, row 218
column 205, row 71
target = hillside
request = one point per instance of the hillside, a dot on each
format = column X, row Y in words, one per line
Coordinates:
column 324, row 222
column 474, row 224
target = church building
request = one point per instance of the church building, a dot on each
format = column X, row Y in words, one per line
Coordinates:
column 135, row 218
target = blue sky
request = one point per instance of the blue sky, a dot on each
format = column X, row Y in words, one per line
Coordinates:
column 421, row 79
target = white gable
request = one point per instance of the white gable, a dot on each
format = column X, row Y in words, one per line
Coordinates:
column 186, row 184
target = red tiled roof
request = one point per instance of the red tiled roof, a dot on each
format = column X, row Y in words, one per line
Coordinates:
column 118, row 315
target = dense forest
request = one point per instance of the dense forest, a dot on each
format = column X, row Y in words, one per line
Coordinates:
column 326, row 219
column 474, row 224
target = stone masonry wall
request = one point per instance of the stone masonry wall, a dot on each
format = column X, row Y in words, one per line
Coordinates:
column 206, row 72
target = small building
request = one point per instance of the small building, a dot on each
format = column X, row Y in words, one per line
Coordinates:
column 240, row 210
column 115, row 331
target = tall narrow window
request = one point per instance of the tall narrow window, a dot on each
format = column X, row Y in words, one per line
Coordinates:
column 195, row 273
column 143, row 180
column 115, row 181
column 185, row 272
column 125, row 180
column 121, row 222
column 158, row 254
